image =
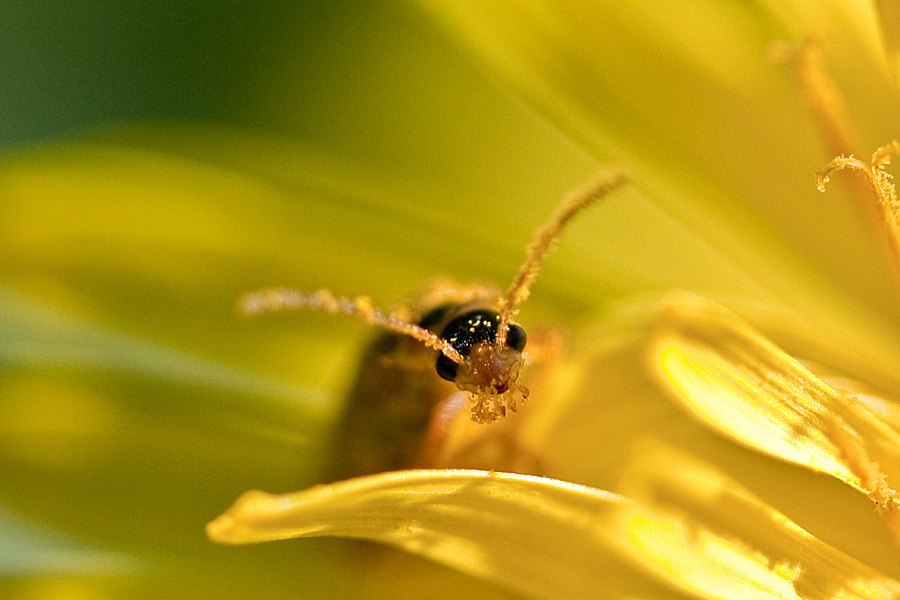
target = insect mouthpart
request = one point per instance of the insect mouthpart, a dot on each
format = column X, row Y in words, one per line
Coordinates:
column 490, row 374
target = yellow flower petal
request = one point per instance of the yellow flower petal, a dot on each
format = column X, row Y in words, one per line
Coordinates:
column 691, row 527
column 694, row 526
column 733, row 379
column 541, row 537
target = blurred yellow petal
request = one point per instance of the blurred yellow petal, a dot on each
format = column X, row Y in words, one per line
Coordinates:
column 726, row 160
column 888, row 14
column 117, row 321
column 32, row 550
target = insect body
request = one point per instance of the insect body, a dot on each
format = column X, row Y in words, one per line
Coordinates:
column 446, row 347
column 405, row 394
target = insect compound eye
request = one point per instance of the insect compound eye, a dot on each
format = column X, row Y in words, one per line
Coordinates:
column 446, row 368
column 515, row 337
column 462, row 333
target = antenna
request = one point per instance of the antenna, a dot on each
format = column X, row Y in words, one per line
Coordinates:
column 278, row 299
column 543, row 238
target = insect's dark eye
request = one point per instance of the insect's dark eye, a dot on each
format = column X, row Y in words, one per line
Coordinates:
column 446, row 368
column 515, row 337
column 462, row 333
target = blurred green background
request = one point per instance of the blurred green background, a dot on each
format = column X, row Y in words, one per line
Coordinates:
column 374, row 82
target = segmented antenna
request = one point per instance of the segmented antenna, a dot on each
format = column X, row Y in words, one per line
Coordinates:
column 278, row 299
column 542, row 241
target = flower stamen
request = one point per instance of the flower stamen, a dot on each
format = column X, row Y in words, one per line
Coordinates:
column 819, row 92
column 880, row 182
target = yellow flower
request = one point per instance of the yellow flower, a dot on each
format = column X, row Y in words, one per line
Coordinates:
column 686, row 454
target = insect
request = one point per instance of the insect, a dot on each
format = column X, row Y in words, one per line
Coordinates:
column 447, row 347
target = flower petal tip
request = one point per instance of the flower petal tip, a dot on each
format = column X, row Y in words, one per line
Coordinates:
column 231, row 526
column 221, row 530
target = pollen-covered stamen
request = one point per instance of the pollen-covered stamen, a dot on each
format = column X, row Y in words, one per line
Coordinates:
column 823, row 98
column 879, row 180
